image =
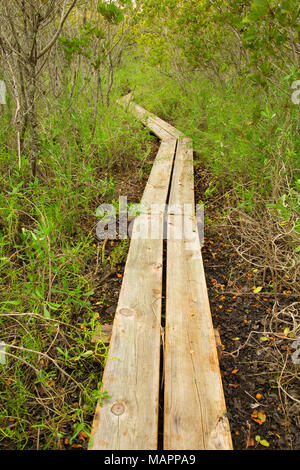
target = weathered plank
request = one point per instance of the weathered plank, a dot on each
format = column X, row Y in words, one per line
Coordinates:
column 160, row 128
column 129, row 419
column 151, row 118
column 195, row 411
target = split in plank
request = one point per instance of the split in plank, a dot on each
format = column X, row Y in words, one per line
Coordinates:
column 195, row 411
column 194, row 407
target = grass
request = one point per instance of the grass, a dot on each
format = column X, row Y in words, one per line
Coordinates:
column 51, row 379
column 240, row 133
column 249, row 138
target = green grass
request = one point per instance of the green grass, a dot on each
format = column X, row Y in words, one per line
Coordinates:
column 242, row 133
column 51, row 380
column 248, row 136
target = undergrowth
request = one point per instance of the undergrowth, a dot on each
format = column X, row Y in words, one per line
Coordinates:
column 250, row 141
column 50, row 376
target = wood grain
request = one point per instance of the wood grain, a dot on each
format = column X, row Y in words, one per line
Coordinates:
column 195, row 411
column 160, row 128
column 129, row 419
column 194, row 408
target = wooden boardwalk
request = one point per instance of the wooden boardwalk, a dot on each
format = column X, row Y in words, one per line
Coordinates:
column 194, row 406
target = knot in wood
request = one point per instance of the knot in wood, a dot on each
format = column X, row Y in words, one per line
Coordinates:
column 158, row 266
column 127, row 312
column 118, row 408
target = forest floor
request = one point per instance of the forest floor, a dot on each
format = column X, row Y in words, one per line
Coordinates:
column 249, row 366
column 108, row 264
column 248, row 360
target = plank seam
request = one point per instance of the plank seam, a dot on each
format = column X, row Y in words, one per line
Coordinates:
column 103, row 417
column 171, row 137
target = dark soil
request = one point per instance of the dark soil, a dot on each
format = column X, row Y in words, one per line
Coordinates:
column 254, row 405
column 249, row 367
column 109, row 278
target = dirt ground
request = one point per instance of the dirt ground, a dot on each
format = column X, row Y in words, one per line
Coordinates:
column 250, row 360
column 261, row 417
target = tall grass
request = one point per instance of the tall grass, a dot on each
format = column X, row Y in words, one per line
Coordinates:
column 51, row 379
column 248, row 136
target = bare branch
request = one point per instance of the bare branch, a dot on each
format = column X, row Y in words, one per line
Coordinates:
column 64, row 16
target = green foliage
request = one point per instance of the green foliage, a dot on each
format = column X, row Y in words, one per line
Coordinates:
column 81, row 45
column 47, row 270
column 119, row 253
column 74, row 46
column 258, row 10
column 244, row 137
column 248, row 37
column 219, row 71
column 111, row 12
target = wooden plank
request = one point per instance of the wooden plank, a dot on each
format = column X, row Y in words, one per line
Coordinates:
column 129, row 419
column 156, row 190
column 160, row 128
column 151, row 123
column 163, row 124
column 195, row 411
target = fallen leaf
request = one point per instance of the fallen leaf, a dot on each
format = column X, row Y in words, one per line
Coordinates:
column 259, row 416
column 265, row 443
column 234, row 385
column 256, row 290
column 262, row 416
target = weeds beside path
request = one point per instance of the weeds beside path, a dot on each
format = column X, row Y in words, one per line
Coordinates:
column 52, row 294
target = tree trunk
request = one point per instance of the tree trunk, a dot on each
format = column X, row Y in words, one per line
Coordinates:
column 32, row 120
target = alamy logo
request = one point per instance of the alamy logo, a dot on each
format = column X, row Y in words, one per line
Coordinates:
column 296, row 94
column 176, row 222
column 2, row 92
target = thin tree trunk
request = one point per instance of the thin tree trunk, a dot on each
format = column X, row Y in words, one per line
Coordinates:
column 32, row 119
column 96, row 105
